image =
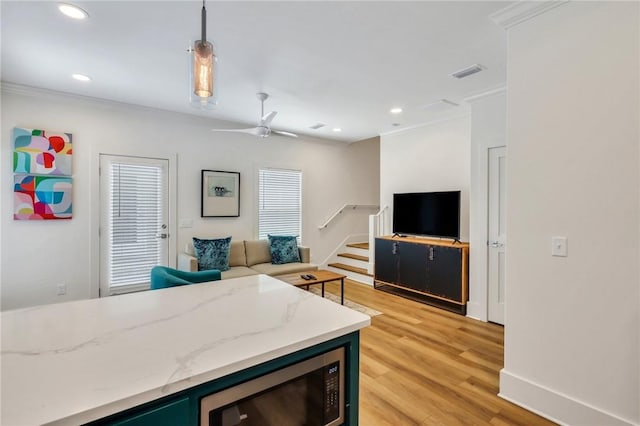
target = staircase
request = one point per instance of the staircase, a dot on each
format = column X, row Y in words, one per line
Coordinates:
column 352, row 261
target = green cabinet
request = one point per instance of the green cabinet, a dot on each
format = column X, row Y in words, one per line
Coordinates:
column 183, row 408
column 172, row 414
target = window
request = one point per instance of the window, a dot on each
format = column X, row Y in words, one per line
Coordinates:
column 279, row 203
column 133, row 235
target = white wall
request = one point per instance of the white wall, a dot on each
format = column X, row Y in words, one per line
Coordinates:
column 38, row 255
column 572, row 335
column 488, row 130
column 434, row 157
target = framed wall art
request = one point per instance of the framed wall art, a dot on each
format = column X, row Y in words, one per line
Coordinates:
column 43, row 184
column 42, row 197
column 40, row 152
column 220, row 194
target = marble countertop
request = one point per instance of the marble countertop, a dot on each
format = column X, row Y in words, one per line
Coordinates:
column 74, row 362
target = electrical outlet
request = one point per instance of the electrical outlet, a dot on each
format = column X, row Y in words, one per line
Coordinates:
column 62, row 289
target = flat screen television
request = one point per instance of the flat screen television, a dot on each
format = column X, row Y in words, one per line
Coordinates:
column 434, row 214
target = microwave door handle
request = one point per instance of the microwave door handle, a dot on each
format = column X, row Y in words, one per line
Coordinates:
column 232, row 417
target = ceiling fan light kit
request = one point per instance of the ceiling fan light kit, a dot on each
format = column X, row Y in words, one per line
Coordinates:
column 203, row 69
column 263, row 129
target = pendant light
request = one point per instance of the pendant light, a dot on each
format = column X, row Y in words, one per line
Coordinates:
column 203, row 93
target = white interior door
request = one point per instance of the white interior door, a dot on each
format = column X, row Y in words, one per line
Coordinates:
column 497, row 233
column 134, row 226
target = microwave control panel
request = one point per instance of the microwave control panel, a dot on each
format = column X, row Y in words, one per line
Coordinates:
column 332, row 392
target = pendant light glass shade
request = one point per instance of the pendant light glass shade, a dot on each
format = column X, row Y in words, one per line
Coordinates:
column 203, row 70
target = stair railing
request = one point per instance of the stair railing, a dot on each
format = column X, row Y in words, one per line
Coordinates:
column 377, row 228
column 347, row 207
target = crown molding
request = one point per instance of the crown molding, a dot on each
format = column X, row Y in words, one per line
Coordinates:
column 522, row 11
column 42, row 93
column 490, row 92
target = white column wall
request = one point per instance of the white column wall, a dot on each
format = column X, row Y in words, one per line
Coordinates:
column 572, row 334
column 488, row 130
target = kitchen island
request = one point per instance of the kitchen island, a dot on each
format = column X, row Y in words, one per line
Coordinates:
column 120, row 357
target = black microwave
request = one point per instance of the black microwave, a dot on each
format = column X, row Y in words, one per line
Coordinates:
column 309, row 393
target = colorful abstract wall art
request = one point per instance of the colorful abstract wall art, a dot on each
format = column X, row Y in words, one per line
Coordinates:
column 41, row 152
column 42, row 197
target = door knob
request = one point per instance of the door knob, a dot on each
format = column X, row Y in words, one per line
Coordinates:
column 162, row 235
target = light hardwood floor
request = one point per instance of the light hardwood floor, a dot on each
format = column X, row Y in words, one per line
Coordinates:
column 421, row 365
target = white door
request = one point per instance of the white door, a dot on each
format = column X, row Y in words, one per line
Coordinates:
column 134, row 232
column 497, row 233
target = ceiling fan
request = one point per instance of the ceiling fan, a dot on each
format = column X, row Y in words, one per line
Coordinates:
column 263, row 128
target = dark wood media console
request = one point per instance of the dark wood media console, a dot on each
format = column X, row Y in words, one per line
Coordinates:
column 427, row 270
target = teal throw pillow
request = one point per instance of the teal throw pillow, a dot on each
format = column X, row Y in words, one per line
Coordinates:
column 284, row 249
column 212, row 254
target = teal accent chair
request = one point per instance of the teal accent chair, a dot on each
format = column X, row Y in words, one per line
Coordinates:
column 164, row 277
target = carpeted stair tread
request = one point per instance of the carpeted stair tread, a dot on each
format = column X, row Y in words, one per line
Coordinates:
column 350, row 268
column 354, row 256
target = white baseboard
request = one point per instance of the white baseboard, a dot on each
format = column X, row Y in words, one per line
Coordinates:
column 474, row 310
column 557, row 407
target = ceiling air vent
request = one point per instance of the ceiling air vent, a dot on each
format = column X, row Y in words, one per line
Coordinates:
column 317, row 126
column 468, row 71
column 439, row 105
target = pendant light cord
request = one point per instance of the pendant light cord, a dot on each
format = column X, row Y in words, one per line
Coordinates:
column 204, row 24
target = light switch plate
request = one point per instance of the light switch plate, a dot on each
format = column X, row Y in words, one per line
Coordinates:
column 186, row 223
column 559, row 246
column 61, row 289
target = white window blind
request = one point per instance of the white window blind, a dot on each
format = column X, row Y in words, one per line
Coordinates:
column 135, row 218
column 280, row 203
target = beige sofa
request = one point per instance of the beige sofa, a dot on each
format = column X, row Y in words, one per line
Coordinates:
column 250, row 257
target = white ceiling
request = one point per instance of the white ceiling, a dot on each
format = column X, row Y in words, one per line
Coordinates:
column 343, row 63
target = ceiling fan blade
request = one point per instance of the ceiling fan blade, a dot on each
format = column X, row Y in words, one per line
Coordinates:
column 251, row 130
column 281, row 133
column 268, row 118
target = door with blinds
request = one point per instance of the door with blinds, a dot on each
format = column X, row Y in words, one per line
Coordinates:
column 134, row 234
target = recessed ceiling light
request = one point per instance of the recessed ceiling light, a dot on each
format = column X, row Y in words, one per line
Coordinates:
column 72, row 11
column 396, row 110
column 337, row 129
column 81, row 77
